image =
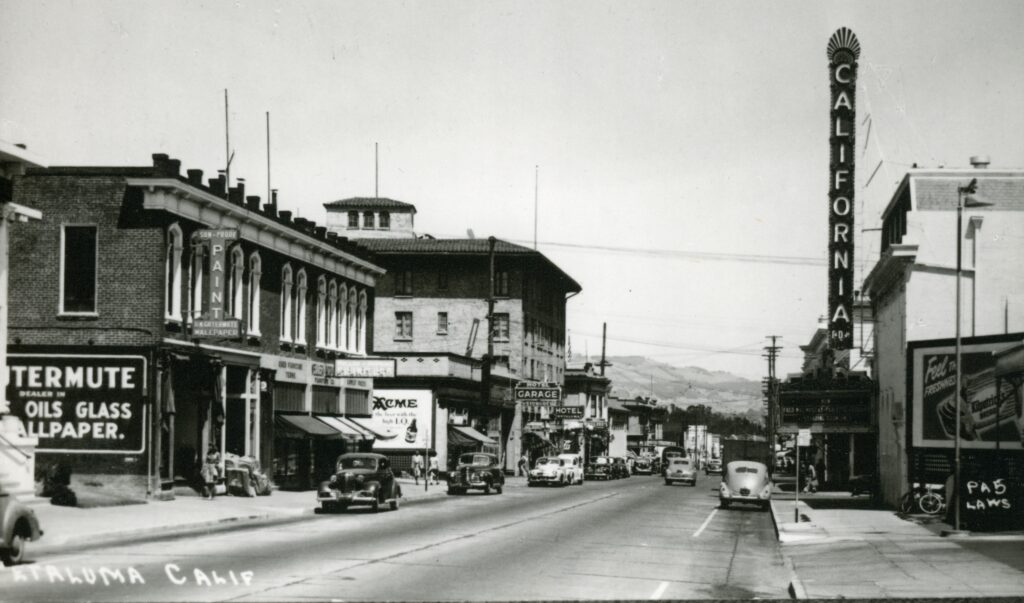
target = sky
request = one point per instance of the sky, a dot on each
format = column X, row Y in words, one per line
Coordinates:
column 680, row 148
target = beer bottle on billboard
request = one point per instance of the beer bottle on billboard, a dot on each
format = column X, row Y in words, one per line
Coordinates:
column 411, row 431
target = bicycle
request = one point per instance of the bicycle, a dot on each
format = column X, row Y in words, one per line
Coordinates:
column 926, row 498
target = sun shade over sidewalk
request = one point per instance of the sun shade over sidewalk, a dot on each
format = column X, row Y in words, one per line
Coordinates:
column 467, row 436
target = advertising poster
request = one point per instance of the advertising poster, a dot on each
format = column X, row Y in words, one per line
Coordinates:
column 82, row 404
column 985, row 417
column 402, row 417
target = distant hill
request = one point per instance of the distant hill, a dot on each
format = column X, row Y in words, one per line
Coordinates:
column 683, row 386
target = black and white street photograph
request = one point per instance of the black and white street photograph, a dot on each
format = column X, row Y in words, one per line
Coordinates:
column 513, row 300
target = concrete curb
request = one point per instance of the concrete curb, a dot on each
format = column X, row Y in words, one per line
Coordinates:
column 797, row 590
column 171, row 532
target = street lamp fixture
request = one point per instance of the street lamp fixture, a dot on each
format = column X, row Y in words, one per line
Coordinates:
column 966, row 197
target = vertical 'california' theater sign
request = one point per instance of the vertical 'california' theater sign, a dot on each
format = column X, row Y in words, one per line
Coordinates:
column 843, row 51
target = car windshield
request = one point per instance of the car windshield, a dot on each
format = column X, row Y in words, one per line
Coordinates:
column 745, row 470
column 677, row 463
column 547, row 461
column 357, row 463
column 601, row 460
column 478, row 460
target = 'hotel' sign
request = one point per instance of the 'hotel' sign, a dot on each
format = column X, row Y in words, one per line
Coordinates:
column 843, row 51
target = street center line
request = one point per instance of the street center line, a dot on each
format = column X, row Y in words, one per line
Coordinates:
column 660, row 590
column 706, row 522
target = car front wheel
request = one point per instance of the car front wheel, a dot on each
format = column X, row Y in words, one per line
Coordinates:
column 394, row 504
column 375, row 505
column 499, row 489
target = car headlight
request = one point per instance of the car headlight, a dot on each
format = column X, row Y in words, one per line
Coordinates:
column 334, row 479
column 360, row 479
column 766, row 492
column 723, row 490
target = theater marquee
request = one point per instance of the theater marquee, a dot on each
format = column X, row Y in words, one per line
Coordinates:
column 843, row 51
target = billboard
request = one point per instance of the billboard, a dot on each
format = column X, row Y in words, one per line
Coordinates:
column 987, row 417
column 843, row 51
column 403, row 418
column 86, row 404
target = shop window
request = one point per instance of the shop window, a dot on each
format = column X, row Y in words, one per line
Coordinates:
column 286, row 304
column 403, row 282
column 385, row 220
column 403, row 325
column 300, row 308
column 78, row 270
column 325, row 399
column 442, row 323
column 172, row 305
column 254, row 294
column 500, row 322
column 357, row 402
column 353, row 219
column 367, row 219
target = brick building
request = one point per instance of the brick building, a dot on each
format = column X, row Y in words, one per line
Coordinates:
column 115, row 365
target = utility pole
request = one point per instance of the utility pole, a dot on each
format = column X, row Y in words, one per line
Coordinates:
column 604, row 339
column 771, row 392
column 486, row 374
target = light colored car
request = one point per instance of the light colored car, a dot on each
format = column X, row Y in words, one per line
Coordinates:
column 745, row 482
column 548, row 470
column 714, row 466
column 680, row 470
column 573, row 467
column 18, row 525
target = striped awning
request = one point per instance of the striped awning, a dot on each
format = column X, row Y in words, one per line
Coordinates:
column 348, row 431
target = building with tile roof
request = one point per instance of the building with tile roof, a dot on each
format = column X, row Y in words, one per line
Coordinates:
column 371, row 218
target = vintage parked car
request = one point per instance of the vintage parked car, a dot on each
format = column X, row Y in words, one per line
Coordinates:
column 548, row 470
column 360, row 478
column 745, row 482
column 714, row 466
column 476, row 471
column 245, row 477
column 600, row 467
column 18, row 526
column 620, row 467
column 642, row 466
column 573, row 468
column 680, row 470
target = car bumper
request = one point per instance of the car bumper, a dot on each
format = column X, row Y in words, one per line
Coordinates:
column 363, row 497
column 545, row 479
column 682, row 477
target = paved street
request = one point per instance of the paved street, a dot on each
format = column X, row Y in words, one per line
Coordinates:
column 634, row 538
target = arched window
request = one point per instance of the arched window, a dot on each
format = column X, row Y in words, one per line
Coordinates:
column 235, row 289
column 367, row 219
column 300, row 307
column 322, row 338
column 353, row 302
column 172, row 309
column 254, row 294
column 332, row 316
column 385, row 220
column 286, row 303
column 341, row 326
column 361, row 324
column 196, row 276
column 353, row 219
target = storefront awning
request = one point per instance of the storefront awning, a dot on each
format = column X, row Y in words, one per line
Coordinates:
column 364, row 424
column 344, row 428
column 467, row 436
column 302, row 426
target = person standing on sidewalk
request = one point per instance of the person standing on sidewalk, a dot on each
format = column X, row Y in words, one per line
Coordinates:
column 210, row 472
column 435, row 468
column 417, row 466
column 524, row 465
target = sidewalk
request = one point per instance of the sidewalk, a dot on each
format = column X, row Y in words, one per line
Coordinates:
column 71, row 528
column 863, row 552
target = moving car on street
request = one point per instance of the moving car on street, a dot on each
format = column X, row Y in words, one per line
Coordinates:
column 603, row 467
column 680, row 470
column 476, row 471
column 714, row 467
column 642, row 466
column 620, row 468
column 573, row 464
column 360, row 479
column 18, row 526
column 668, row 453
column 548, row 470
column 745, row 482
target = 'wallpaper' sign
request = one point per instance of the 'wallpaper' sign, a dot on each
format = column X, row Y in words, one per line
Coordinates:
column 82, row 404
column 843, row 51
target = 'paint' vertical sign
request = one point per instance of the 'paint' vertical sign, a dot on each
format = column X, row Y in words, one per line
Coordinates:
column 843, row 51
column 213, row 323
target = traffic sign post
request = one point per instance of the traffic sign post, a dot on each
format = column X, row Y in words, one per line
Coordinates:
column 803, row 438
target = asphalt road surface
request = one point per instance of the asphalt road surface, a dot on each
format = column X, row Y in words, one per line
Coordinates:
column 626, row 539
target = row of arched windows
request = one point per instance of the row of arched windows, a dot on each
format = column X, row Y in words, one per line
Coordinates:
column 341, row 309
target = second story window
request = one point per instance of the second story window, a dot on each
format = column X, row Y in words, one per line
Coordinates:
column 403, row 282
column 361, row 324
column 500, row 322
column 403, row 325
column 367, row 219
column 172, row 309
column 322, row 334
column 442, row 323
column 286, row 304
column 353, row 219
column 385, row 220
column 341, row 322
column 300, row 308
column 235, row 290
column 254, row 295
column 501, row 283
column 78, row 270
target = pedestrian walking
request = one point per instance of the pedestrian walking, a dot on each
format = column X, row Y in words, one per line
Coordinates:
column 524, row 465
column 210, row 472
column 812, row 479
column 417, row 466
column 435, row 468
